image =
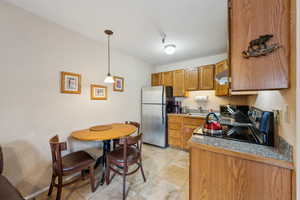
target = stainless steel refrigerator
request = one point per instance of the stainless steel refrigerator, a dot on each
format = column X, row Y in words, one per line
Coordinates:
column 156, row 103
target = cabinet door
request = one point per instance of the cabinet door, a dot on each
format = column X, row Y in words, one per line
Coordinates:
column 249, row 20
column 191, row 79
column 174, row 131
column 187, row 133
column 206, row 77
column 167, row 78
column 178, row 83
column 221, row 90
column 189, row 125
column 156, row 79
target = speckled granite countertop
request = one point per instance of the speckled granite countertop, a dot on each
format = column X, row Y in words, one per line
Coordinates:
column 262, row 152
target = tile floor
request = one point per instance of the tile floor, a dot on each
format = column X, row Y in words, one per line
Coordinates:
column 167, row 179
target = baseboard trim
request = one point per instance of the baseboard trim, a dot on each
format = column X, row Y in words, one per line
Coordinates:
column 33, row 195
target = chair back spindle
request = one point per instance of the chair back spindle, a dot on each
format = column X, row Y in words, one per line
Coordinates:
column 1, row 161
column 56, row 149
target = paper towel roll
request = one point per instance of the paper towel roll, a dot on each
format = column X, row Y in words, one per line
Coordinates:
column 201, row 98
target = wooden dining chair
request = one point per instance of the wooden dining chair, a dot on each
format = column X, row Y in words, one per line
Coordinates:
column 127, row 154
column 67, row 165
column 136, row 124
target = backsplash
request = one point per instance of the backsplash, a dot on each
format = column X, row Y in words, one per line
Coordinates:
column 213, row 101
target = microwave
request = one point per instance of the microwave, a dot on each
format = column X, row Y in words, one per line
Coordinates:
column 225, row 110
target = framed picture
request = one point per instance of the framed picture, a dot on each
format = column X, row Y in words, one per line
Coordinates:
column 118, row 84
column 98, row 92
column 70, row 83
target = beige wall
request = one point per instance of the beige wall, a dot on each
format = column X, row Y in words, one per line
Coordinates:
column 213, row 101
column 196, row 62
column 32, row 54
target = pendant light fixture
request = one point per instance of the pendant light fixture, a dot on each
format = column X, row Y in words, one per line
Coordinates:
column 168, row 48
column 109, row 78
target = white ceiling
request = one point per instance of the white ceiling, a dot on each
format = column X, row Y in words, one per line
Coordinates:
column 197, row 27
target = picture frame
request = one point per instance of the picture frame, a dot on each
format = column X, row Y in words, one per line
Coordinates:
column 70, row 83
column 118, row 84
column 98, row 92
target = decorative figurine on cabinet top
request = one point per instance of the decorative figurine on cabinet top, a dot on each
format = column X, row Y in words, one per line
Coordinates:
column 258, row 47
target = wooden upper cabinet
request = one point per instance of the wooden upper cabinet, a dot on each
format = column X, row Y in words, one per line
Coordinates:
column 206, row 77
column 167, row 78
column 221, row 90
column 178, row 83
column 250, row 19
column 191, row 79
column 156, row 79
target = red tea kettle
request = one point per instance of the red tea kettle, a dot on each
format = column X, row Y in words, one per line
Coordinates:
column 212, row 126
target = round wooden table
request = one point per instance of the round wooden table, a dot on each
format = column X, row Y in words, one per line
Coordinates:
column 116, row 131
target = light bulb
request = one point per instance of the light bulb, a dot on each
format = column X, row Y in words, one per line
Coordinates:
column 109, row 79
column 170, row 49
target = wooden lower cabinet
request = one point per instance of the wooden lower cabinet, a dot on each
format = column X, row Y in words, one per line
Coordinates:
column 174, row 130
column 187, row 133
column 177, row 137
column 217, row 175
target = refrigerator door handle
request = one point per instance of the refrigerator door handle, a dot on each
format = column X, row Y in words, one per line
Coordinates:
column 162, row 117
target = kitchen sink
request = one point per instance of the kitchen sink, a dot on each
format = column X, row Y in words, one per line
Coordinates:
column 203, row 114
column 198, row 114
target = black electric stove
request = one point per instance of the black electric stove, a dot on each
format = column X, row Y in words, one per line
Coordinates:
column 256, row 128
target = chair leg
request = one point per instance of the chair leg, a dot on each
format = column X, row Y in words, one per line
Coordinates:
column 82, row 174
column 59, row 188
column 142, row 170
column 124, row 182
column 115, row 142
column 107, row 173
column 92, row 178
column 51, row 185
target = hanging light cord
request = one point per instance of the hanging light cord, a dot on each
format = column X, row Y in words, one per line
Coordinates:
column 108, row 53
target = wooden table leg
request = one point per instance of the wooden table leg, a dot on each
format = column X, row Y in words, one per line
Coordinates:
column 106, row 149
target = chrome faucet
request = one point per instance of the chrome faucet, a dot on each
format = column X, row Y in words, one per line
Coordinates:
column 200, row 109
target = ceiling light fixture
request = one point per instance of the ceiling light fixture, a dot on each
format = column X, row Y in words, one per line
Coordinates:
column 109, row 78
column 168, row 48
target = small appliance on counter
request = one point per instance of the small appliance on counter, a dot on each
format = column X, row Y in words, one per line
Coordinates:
column 212, row 125
column 177, row 108
column 256, row 127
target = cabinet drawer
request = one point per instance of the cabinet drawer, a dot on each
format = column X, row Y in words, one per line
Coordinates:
column 174, row 119
column 174, row 126
column 193, row 121
column 174, row 133
column 175, row 141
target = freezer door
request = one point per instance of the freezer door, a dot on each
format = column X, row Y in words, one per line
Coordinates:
column 153, row 95
column 154, row 124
